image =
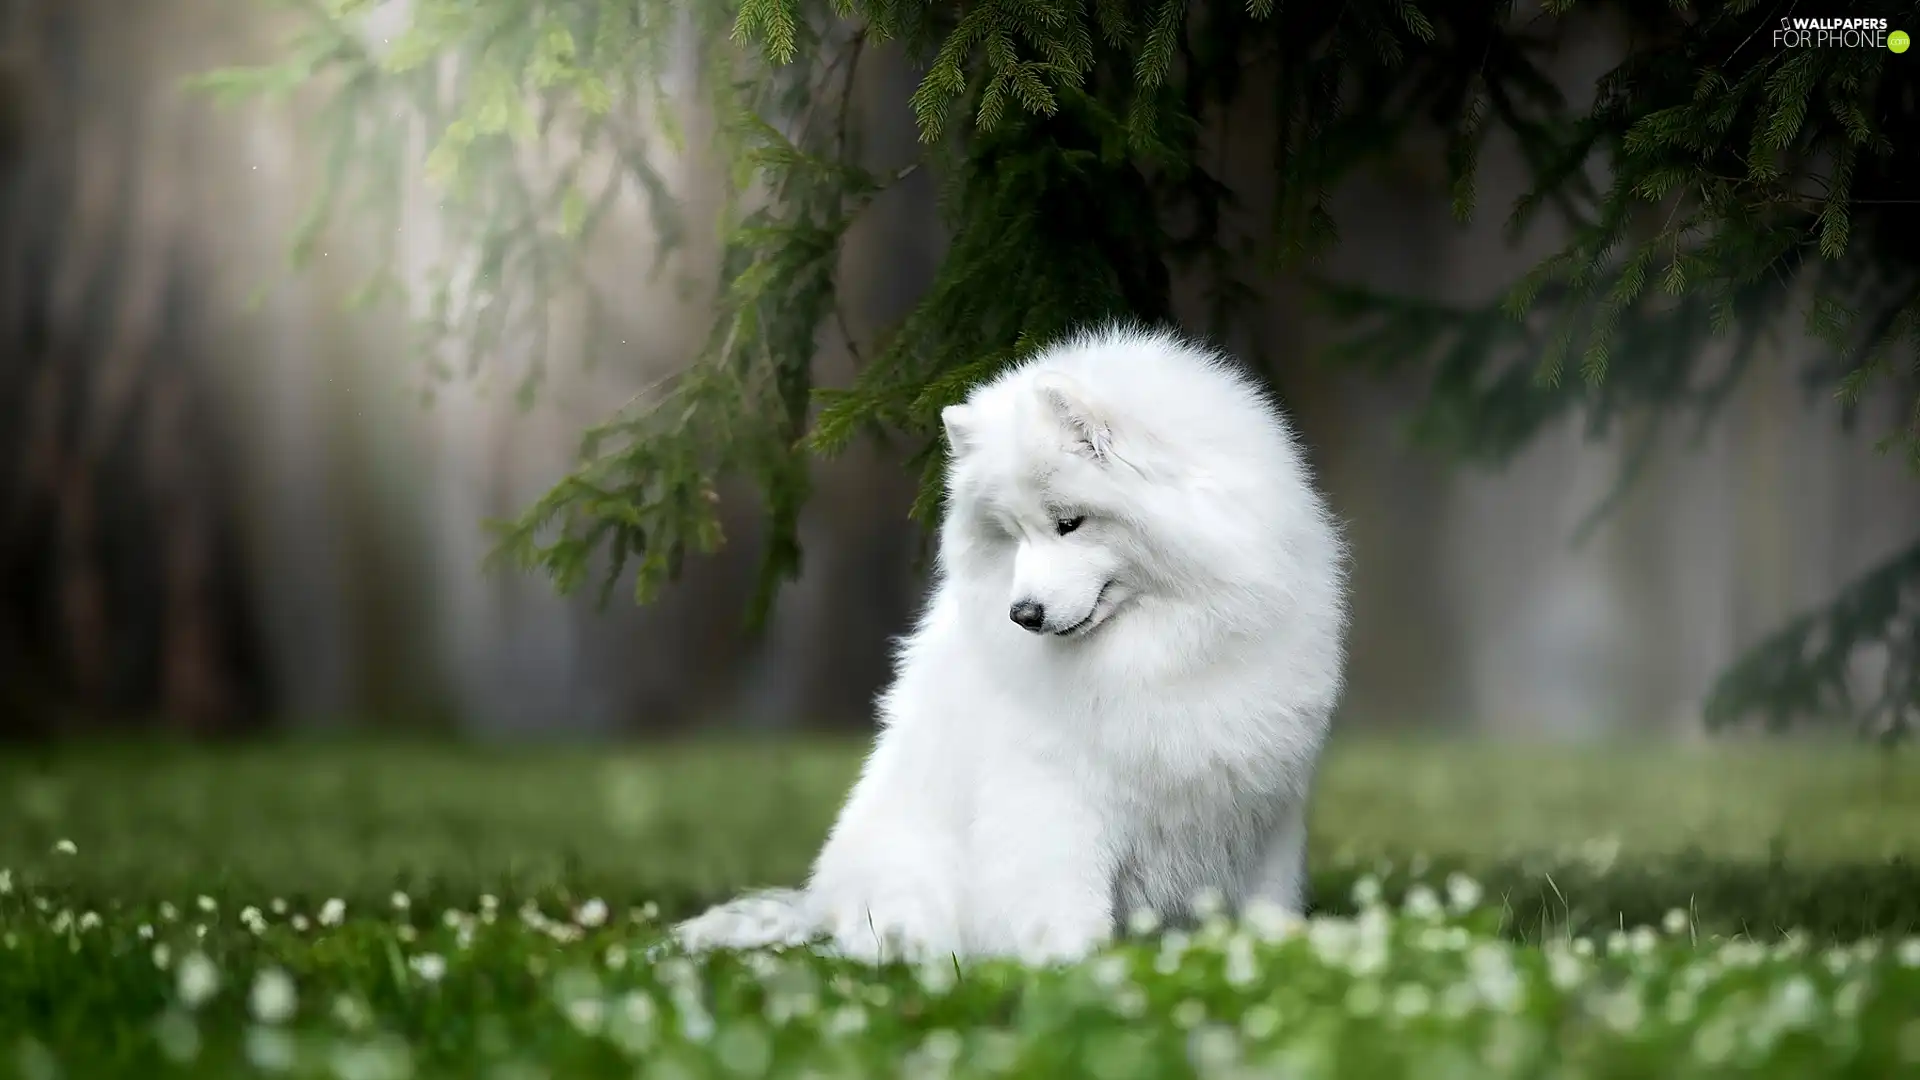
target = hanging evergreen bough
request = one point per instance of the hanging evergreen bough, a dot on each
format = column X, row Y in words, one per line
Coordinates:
column 1742, row 177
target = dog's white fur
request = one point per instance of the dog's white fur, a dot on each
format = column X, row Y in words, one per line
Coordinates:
column 1154, row 738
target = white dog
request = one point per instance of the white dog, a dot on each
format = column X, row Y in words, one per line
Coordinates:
column 1118, row 692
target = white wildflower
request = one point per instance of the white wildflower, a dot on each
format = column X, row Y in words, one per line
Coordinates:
column 162, row 956
column 1143, row 921
column 1422, row 903
column 178, row 1036
column 592, row 914
column 401, row 902
column 1412, row 1001
column 198, row 980
column 1260, row 1023
column 207, row 905
column 1463, row 893
column 846, row 1020
column 1910, row 952
column 351, row 1013
column 6, row 881
column 299, row 924
column 1676, row 922
column 1241, row 969
column 333, row 912
column 431, row 967
column 270, row 1049
column 89, row 920
column 587, row 1014
column 1366, row 891
column 273, row 998
column 65, row 847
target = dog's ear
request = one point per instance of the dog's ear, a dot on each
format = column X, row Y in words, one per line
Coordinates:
column 958, row 420
column 1091, row 433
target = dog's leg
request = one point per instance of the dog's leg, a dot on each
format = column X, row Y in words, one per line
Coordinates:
column 886, row 883
column 753, row 921
column 1282, row 880
column 1042, row 889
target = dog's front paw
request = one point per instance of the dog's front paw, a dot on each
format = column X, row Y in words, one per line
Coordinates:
column 1062, row 942
column 755, row 921
column 893, row 928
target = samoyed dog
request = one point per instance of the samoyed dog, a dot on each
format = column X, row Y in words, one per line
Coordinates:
column 1113, row 703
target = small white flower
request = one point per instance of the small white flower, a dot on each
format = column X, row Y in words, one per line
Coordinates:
column 169, row 913
column 145, row 931
column 1422, row 903
column 406, row 933
column 1143, row 921
column 351, row 1013
column 489, row 902
column 401, row 902
column 587, row 1014
column 278, row 906
column 198, row 980
column 89, row 921
column 1910, row 953
column 270, row 1049
column 1366, row 891
column 6, row 881
column 846, row 1020
column 1412, row 1000
column 592, row 914
column 333, row 912
column 1241, row 970
column 273, row 999
column 431, row 967
column 162, row 956
column 207, row 905
column 65, row 847
column 299, row 924
column 178, row 1036
column 1463, row 893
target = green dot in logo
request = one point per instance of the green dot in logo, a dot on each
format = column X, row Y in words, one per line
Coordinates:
column 1898, row 41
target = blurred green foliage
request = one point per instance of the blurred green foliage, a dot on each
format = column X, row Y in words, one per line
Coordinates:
column 1716, row 190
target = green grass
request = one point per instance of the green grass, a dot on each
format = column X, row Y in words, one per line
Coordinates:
column 1641, row 912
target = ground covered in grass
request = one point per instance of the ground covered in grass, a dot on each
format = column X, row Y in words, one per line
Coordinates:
column 368, row 911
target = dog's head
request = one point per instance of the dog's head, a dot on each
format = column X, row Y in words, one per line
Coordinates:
column 1038, row 501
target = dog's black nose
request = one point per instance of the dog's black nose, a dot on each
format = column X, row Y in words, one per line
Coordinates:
column 1029, row 615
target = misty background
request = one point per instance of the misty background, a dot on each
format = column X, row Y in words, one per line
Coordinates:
column 220, row 519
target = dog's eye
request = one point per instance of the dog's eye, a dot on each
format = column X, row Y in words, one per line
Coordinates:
column 1067, row 525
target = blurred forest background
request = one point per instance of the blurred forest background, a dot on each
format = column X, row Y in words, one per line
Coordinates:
column 215, row 519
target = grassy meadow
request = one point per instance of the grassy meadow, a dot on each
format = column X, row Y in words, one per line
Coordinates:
column 366, row 911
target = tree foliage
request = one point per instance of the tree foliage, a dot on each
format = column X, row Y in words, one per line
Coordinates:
column 1715, row 185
